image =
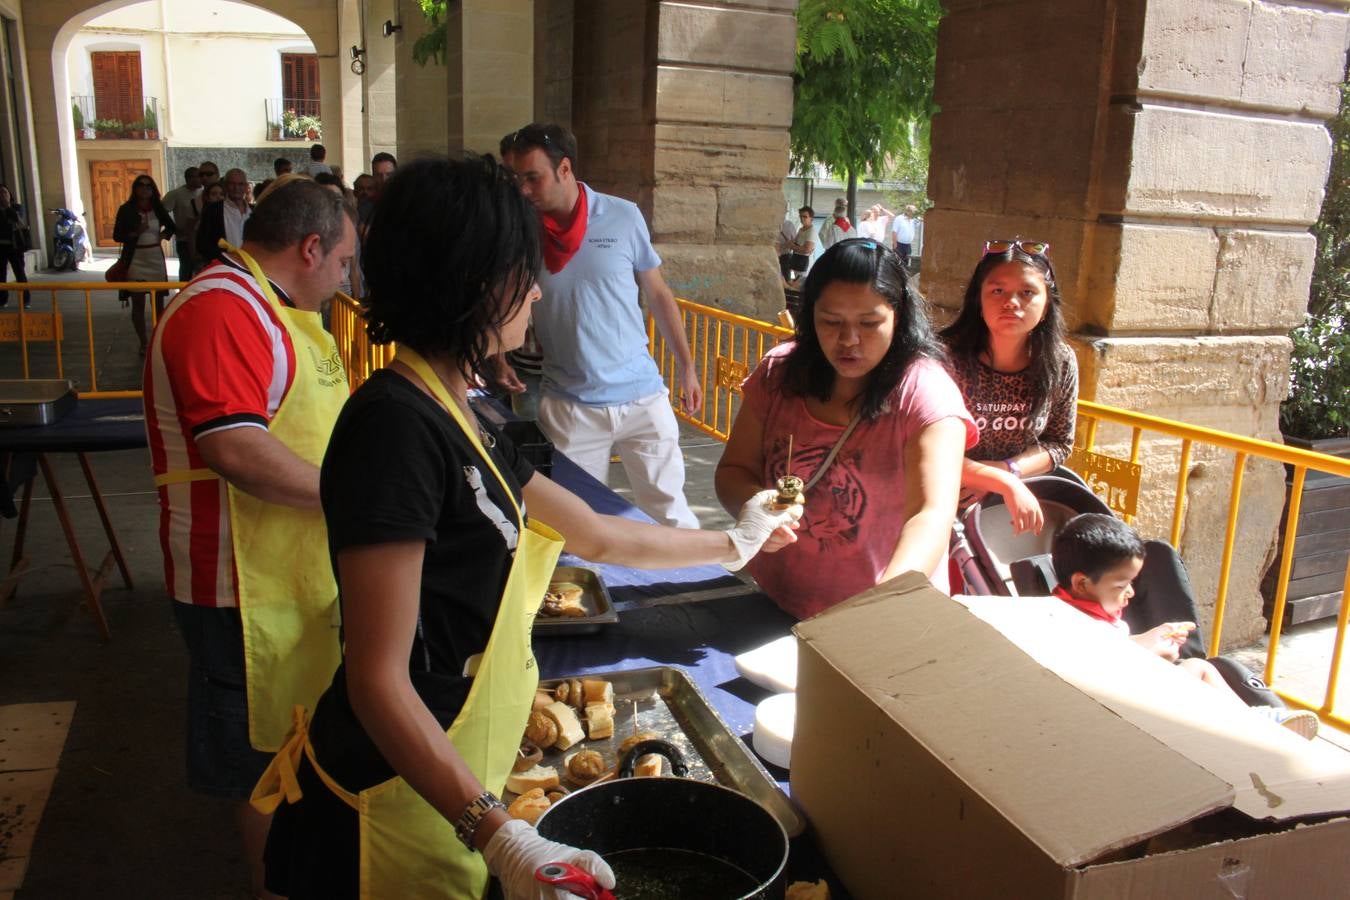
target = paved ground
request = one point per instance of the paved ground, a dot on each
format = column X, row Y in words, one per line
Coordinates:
column 120, row 823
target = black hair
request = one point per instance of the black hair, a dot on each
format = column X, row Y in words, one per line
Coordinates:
column 317, row 152
column 281, row 162
column 556, row 141
column 189, row 172
column 1093, row 543
column 807, row 372
column 156, row 203
column 968, row 336
column 382, row 156
column 450, row 256
column 207, row 162
column 292, row 210
column 808, row 210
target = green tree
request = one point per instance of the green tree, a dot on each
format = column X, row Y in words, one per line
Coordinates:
column 430, row 47
column 863, row 93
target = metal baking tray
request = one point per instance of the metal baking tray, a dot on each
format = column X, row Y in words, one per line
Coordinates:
column 35, row 401
column 665, row 701
column 594, row 599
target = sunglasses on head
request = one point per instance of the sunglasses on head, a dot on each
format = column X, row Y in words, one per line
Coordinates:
column 1030, row 248
column 866, row 243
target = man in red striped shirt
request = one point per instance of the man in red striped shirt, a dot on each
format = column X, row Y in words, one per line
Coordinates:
column 242, row 387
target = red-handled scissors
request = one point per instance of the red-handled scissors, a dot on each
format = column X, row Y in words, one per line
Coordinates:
column 569, row 878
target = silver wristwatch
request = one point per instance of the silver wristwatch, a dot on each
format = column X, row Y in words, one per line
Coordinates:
column 472, row 817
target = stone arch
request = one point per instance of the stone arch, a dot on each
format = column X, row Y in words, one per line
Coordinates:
column 48, row 28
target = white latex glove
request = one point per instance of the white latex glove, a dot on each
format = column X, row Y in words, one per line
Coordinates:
column 515, row 850
column 757, row 521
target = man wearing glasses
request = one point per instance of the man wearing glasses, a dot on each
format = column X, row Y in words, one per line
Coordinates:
column 602, row 391
column 224, row 220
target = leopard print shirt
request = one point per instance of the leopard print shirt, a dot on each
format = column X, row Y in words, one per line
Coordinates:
column 1005, row 410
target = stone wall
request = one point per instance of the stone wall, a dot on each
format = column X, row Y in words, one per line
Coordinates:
column 554, row 22
column 420, row 90
column 1173, row 153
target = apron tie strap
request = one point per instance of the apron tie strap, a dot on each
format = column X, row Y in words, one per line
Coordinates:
column 279, row 781
column 182, row 476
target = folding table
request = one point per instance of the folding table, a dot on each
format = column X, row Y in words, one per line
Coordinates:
column 95, row 425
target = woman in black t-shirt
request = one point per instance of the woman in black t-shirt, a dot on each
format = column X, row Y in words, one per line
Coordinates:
column 427, row 524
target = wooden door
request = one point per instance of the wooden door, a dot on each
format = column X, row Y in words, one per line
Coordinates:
column 117, row 86
column 300, row 83
column 110, row 183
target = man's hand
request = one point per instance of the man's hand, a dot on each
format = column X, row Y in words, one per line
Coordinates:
column 691, row 390
column 505, row 375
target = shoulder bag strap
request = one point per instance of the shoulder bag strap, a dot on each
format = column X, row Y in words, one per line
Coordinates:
column 834, row 451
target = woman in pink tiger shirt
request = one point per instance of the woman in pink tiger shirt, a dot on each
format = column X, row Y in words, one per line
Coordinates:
column 874, row 420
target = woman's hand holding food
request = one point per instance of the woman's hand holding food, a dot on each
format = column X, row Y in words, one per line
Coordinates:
column 757, row 523
column 515, row 850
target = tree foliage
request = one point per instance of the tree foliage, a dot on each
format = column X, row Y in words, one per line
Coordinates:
column 1319, row 395
column 864, row 83
column 430, row 46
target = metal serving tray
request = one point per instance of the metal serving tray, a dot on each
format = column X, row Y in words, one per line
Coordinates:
column 594, row 598
column 35, row 401
column 665, row 701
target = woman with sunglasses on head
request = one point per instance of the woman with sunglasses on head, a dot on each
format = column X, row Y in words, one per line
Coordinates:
column 1018, row 376
column 874, row 426
column 435, row 528
column 141, row 225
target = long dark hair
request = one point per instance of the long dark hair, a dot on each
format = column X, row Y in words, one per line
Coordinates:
column 156, row 204
column 808, row 373
column 447, row 241
column 968, row 336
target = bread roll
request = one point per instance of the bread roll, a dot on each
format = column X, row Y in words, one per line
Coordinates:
column 569, row 726
column 648, row 765
column 529, row 805
column 599, row 720
column 585, row 766
column 597, row 690
column 542, row 777
column 806, row 890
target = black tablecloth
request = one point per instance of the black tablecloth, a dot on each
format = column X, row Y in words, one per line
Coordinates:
column 93, row 425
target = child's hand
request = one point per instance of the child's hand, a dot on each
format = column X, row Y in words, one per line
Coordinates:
column 1165, row 639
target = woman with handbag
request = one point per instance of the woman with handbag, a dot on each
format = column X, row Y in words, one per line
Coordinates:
column 860, row 407
column 13, row 244
column 142, row 224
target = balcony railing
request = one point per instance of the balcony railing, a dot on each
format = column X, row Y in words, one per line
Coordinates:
column 293, row 119
column 120, row 126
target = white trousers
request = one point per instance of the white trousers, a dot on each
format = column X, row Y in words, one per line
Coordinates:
column 647, row 438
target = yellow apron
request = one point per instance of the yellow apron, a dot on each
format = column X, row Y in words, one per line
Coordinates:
column 287, row 595
column 407, row 848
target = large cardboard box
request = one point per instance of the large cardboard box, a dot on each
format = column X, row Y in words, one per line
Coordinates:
column 1013, row 748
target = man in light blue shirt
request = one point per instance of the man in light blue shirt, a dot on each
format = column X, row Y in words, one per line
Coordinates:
column 602, row 391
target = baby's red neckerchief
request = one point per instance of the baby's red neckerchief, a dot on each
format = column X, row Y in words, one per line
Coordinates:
column 561, row 244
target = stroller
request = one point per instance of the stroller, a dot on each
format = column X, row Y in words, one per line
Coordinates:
column 993, row 560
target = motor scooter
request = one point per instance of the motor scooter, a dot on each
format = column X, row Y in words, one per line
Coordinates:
column 69, row 242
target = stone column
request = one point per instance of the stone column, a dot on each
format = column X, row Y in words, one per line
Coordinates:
column 490, row 69
column 1174, row 153
column 379, row 94
column 684, row 108
column 419, row 90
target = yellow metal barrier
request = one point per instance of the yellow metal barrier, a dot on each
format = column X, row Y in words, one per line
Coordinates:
column 359, row 355
column 726, row 347
column 42, row 331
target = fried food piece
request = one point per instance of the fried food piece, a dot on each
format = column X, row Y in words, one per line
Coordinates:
column 569, row 726
column 562, row 691
column 585, row 766
column 597, row 690
column 648, row 766
column 631, row 742
column 790, row 489
column 541, row 729
column 542, row 698
column 527, row 756
column 563, row 599
column 555, row 795
column 529, row 805
column 808, row 890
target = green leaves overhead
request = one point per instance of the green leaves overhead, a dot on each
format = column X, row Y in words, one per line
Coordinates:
column 864, row 81
column 430, row 46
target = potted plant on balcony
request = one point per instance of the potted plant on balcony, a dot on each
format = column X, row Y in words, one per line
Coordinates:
column 1317, row 414
column 77, row 117
column 105, row 129
column 150, row 124
column 298, row 126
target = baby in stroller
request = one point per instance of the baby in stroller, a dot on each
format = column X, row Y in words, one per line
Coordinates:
column 1096, row 560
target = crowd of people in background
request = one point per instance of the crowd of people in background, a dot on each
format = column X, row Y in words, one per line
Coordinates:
column 803, row 238
column 201, row 215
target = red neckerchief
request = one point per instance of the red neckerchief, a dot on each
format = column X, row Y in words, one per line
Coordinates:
column 561, row 244
column 1091, row 607
column 842, row 224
